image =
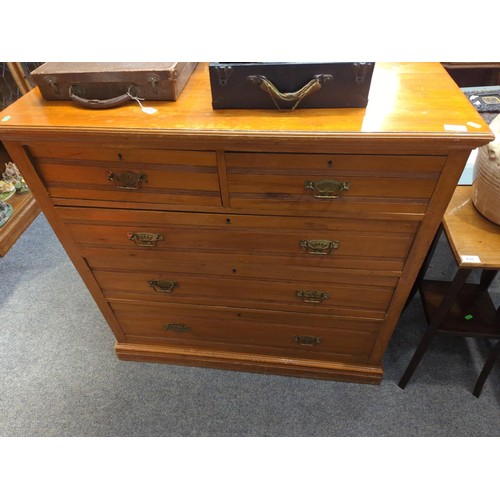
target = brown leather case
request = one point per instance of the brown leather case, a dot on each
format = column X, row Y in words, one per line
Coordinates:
column 109, row 84
column 287, row 85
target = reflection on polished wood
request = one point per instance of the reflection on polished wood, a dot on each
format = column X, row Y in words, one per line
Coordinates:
column 405, row 99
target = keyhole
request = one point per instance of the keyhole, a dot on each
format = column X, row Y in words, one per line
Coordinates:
column 330, row 163
column 120, row 156
column 234, row 271
column 228, row 221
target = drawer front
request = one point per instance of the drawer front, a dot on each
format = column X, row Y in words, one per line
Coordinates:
column 328, row 240
column 147, row 176
column 332, row 183
column 303, row 268
column 355, row 300
column 246, row 329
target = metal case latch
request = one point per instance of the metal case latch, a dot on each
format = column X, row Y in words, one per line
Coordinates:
column 359, row 72
column 223, row 73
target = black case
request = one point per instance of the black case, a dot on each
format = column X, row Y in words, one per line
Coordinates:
column 290, row 85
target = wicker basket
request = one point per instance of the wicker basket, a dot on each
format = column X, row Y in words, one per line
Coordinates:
column 486, row 186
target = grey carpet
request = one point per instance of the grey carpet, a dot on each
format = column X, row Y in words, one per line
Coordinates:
column 59, row 375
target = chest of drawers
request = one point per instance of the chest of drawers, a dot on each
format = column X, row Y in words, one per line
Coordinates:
column 260, row 240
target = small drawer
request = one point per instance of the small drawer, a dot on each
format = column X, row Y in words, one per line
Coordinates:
column 247, row 329
column 146, row 176
column 339, row 298
column 332, row 183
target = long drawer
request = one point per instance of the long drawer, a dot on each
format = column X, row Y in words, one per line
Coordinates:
column 241, row 329
column 302, row 268
column 332, row 183
column 344, row 299
column 148, row 176
column 329, row 239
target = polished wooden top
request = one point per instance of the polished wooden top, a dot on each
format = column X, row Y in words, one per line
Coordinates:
column 406, row 100
column 474, row 240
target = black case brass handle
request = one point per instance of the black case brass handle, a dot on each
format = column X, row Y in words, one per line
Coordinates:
column 145, row 239
column 163, row 286
column 319, row 247
column 327, row 189
column 307, row 340
column 294, row 98
column 127, row 179
column 312, row 296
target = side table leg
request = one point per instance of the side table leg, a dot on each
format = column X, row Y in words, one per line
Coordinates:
column 446, row 302
column 425, row 265
column 494, row 355
column 487, row 277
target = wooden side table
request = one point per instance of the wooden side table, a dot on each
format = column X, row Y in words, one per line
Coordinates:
column 457, row 307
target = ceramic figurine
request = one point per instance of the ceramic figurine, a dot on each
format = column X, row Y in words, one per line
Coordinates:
column 5, row 212
column 7, row 189
column 13, row 176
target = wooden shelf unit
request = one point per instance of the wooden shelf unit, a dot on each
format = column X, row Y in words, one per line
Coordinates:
column 25, row 211
column 24, row 205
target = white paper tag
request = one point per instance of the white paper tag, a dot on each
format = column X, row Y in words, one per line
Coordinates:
column 472, row 259
column 149, row 111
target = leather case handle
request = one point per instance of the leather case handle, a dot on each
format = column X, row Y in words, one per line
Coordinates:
column 100, row 103
column 289, row 97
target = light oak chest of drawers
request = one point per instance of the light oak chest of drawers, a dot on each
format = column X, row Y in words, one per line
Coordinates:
column 268, row 241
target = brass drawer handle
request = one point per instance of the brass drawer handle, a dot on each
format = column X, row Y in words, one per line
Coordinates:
column 145, row 239
column 127, row 179
column 163, row 286
column 307, row 340
column 326, row 188
column 176, row 327
column 319, row 247
column 312, row 296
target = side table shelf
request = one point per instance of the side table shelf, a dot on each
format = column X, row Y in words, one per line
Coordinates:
column 472, row 311
column 25, row 211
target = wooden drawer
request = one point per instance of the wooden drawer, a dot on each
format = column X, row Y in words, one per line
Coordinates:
column 332, row 183
column 246, row 329
column 330, row 239
column 148, row 176
column 302, row 268
column 344, row 299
